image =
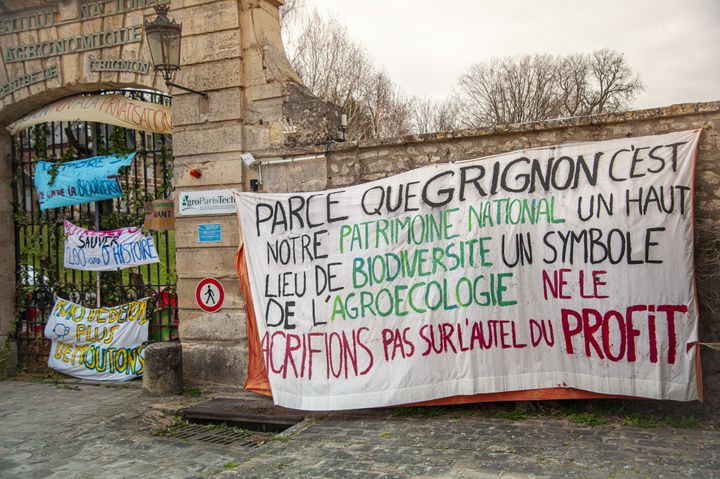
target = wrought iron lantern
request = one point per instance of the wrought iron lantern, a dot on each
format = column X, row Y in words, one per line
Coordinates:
column 164, row 37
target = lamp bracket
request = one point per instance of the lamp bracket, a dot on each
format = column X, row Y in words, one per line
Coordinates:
column 201, row 93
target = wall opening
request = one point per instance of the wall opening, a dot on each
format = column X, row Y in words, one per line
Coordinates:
column 39, row 253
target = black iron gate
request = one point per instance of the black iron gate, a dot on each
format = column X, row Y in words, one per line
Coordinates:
column 39, row 235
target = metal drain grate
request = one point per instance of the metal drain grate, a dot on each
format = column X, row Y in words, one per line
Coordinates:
column 217, row 435
column 255, row 415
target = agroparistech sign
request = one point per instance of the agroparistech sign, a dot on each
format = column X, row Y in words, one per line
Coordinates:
column 567, row 266
column 207, row 202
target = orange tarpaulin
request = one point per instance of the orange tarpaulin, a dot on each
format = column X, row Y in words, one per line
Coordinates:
column 257, row 376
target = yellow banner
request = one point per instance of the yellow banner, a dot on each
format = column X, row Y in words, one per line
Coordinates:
column 113, row 109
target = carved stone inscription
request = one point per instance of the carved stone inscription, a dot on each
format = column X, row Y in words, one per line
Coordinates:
column 103, row 8
column 83, row 40
column 119, row 65
column 87, row 42
column 27, row 21
column 27, row 80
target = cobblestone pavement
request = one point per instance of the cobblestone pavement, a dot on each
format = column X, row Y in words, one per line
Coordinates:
column 49, row 431
column 481, row 447
column 61, row 431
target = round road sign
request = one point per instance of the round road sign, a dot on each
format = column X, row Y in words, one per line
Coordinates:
column 209, row 295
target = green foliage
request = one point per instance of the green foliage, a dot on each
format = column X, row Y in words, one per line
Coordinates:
column 117, row 142
column 640, row 420
column 193, row 392
column 514, row 415
column 477, row 412
column 684, row 422
column 39, row 138
column 425, row 411
column 6, row 369
column 570, row 407
column 69, row 154
column 176, row 424
column 54, row 379
column 587, row 418
column 223, row 425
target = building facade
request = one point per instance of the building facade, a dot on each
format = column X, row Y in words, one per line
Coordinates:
column 232, row 49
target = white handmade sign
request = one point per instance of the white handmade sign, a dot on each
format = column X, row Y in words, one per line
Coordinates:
column 107, row 250
column 103, row 344
column 566, row 266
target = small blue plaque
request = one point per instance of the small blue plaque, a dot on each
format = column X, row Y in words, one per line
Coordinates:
column 209, row 233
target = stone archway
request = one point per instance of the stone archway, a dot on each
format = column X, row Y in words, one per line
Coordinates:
column 52, row 50
column 231, row 49
column 78, row 127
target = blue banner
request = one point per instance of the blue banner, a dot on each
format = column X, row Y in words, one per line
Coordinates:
column 80, row 181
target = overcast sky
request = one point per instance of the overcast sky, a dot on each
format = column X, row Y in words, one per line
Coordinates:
column 425, row 45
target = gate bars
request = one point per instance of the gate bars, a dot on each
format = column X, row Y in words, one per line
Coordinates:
column 39, row 235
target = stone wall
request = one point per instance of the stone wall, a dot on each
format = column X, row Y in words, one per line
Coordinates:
column 357, row 162
column 8, row 351
column 233, row 50
column 208, row 136
column 345, row 164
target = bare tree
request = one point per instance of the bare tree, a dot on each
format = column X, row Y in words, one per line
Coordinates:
column 539, row 87
column 337, row 69
column 389, row 111
column 573, row 84
column 613, row 85
column 289, row 11
column 429, row 116
column 505, row 90
column 333, row 67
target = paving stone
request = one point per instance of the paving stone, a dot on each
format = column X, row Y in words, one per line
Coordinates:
column 107, row 437
column 55, row 433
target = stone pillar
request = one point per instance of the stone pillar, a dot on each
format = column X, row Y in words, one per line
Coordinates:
column 233, row 50
column 8, row 349
column 163, row 369
column 208, row 136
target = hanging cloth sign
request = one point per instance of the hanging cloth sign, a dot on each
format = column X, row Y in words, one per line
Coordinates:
column 160, row 215
column 107, row 250
column 569, row 266
column 79, row 181
column 112, row 109
column 103, row 344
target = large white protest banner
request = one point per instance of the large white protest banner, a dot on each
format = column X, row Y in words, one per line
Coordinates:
column 562, row 267
column 107, row 250
column 103, row 344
